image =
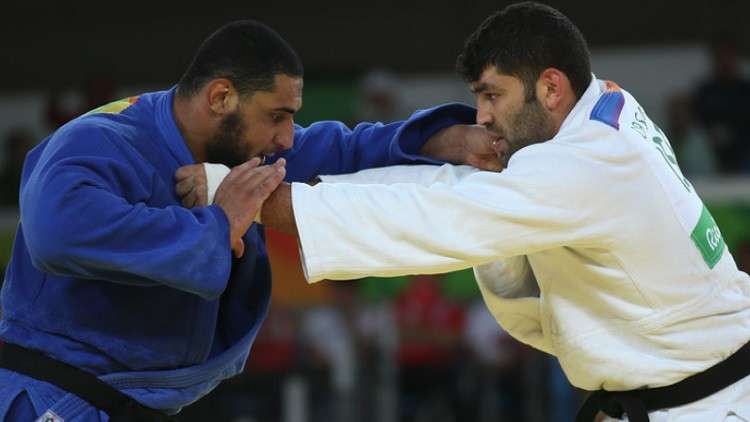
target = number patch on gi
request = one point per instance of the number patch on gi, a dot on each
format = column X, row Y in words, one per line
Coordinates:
column 49, row 416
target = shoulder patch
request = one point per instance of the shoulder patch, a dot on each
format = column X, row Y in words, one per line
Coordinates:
column 607, row 110
column 115, row 107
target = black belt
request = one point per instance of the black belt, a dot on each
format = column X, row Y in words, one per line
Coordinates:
column 637, row 403
column 96, row 392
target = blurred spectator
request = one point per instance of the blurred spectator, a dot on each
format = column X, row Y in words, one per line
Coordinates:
column 430, row 328
column 377, row 339
column 274, row 358
column 722, row 106
column 692, row 147
column 499, row 392
column 743, row 256
column 328, row 336
column 380, row 98
column 17, row 143
column 96, row 91
column 274, row 348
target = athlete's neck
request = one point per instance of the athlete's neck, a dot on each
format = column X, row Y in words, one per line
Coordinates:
column 193, row 125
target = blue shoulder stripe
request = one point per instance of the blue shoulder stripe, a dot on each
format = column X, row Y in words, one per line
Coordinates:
column 607, row 110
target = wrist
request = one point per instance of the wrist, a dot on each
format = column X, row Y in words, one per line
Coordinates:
column 446, row 145
column 215, row 174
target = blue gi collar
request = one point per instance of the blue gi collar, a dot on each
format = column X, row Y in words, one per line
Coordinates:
column 168, row 128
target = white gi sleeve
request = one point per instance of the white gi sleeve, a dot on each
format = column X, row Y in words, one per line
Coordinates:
column 215, row 174
column 511, row 293
column 351, row 230
column 508, row 286
column 419, row 174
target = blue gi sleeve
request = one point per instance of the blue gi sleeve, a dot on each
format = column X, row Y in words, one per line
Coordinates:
column 332, row 148
column 84, row 215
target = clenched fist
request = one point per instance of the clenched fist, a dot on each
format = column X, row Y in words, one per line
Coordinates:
column 472, row 145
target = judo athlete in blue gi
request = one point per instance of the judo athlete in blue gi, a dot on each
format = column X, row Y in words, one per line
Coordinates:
column 121, row 304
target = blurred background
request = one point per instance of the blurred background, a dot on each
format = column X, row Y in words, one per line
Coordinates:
column 385, row 350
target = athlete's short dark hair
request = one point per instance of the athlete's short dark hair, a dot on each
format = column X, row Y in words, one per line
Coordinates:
column 524, row 39
column 248, row 53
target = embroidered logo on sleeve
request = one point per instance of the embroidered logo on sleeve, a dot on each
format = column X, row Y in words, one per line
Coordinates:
column 50, row 416
column 708, row 239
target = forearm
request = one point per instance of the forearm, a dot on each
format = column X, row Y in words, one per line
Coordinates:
column 350, row 231
column 332, row 148
column 473, row 145
column 277, row 212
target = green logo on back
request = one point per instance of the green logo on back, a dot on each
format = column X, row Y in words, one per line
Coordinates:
column 708, row 239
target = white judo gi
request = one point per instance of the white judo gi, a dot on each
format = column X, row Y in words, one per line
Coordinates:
column 618, row 268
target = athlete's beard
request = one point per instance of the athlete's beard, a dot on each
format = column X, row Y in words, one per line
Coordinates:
column 226, row 146
column 530, row 125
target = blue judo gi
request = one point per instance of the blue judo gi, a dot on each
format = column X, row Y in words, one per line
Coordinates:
column 111, row 275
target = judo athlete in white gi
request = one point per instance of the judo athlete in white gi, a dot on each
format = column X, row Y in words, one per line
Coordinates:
column 590, row 245
column 618, row 268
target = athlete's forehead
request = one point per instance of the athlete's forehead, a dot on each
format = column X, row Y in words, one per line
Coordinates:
column 286, row 95
column 491, row 80
column 288, row 92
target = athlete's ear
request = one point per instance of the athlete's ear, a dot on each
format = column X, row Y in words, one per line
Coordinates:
column 553, row 88
column 221, row 95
